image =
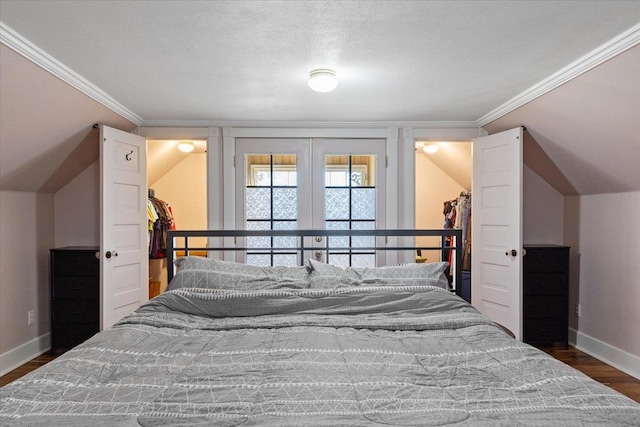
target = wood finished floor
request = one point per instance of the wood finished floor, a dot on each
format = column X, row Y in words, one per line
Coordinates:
column 599, row 371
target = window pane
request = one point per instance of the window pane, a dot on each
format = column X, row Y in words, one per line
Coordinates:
column 338, row 259
column 357, row 179
column 258, row 225
column 285, row 241
column 258, row 203
column 284, row 177
column 363, row 260
column 336, row 178
column 262, row 178
column 285, row 203
column 287, row 260
column 363, row 241
column 363, row 203
column 257, row 242
column 259, row 260
column 337, row 203
column 337, row 241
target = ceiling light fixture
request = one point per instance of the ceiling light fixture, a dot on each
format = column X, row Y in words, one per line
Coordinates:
column 431, row 148
column 323, row 80
column 186, row 146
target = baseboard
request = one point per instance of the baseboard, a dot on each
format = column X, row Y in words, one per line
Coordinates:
column 20, row 355
column 613, row 356
column 573, row 337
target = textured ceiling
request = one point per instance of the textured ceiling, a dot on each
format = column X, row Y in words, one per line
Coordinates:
column 249, row 60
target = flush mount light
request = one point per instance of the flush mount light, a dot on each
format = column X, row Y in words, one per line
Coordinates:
column 323, row 80
column 431, row 148
column 186, row 146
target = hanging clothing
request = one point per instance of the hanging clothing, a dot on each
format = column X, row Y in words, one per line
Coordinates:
column 457, row 214
column 160, row 220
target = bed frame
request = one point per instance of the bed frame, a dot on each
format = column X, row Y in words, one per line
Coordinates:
column 220, row 242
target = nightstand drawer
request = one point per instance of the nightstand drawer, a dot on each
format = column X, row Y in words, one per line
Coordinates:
column 75, row 263
column 545, row 284
column 546, row 261
column 75, row 287
column 76, row 311
column 67, row 335
column 545, row 331
column 546, row 306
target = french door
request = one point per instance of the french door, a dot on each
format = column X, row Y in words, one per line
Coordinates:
column 310, row 183
column 349, row 193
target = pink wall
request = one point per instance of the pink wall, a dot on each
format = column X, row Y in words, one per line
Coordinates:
column 26, row 227
column 610, row 269
column 77, row 204
column 542, row 211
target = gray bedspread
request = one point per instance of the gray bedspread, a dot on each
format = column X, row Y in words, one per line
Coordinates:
column 347, row 357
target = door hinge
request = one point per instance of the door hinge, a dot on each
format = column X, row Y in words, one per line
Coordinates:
column 234, row 160
column 386, row 161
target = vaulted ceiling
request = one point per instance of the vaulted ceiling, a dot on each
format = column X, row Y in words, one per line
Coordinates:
column 569, row 71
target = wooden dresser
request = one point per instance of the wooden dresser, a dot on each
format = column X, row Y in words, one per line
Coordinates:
column 75, row 296
column 546, row 294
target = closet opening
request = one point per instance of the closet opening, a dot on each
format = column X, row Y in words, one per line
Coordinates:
column 177, row 180
column 443, row 196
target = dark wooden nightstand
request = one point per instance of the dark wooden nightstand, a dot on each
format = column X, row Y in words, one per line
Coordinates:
column 546, row 294
column 75, row 296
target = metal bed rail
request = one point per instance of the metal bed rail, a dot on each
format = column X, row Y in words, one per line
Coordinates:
column 301, row 247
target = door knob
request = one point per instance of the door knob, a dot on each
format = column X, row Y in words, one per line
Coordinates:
column 109, row 254
column 512, row 252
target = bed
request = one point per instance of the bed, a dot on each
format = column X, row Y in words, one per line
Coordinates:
column 312, row 344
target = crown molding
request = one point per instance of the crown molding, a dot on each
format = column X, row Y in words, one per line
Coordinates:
column 33, row 53
column 309, row 124
column 614, row 47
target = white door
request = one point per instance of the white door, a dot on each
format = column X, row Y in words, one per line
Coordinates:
column 497, row 228
column 124, row 256
column 284, row 183
column 349, row 194
column 273, row 180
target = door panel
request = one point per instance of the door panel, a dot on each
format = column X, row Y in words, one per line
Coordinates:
column 123, row 234
column 497, row 228
column 349, row 194
column 272, row 177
